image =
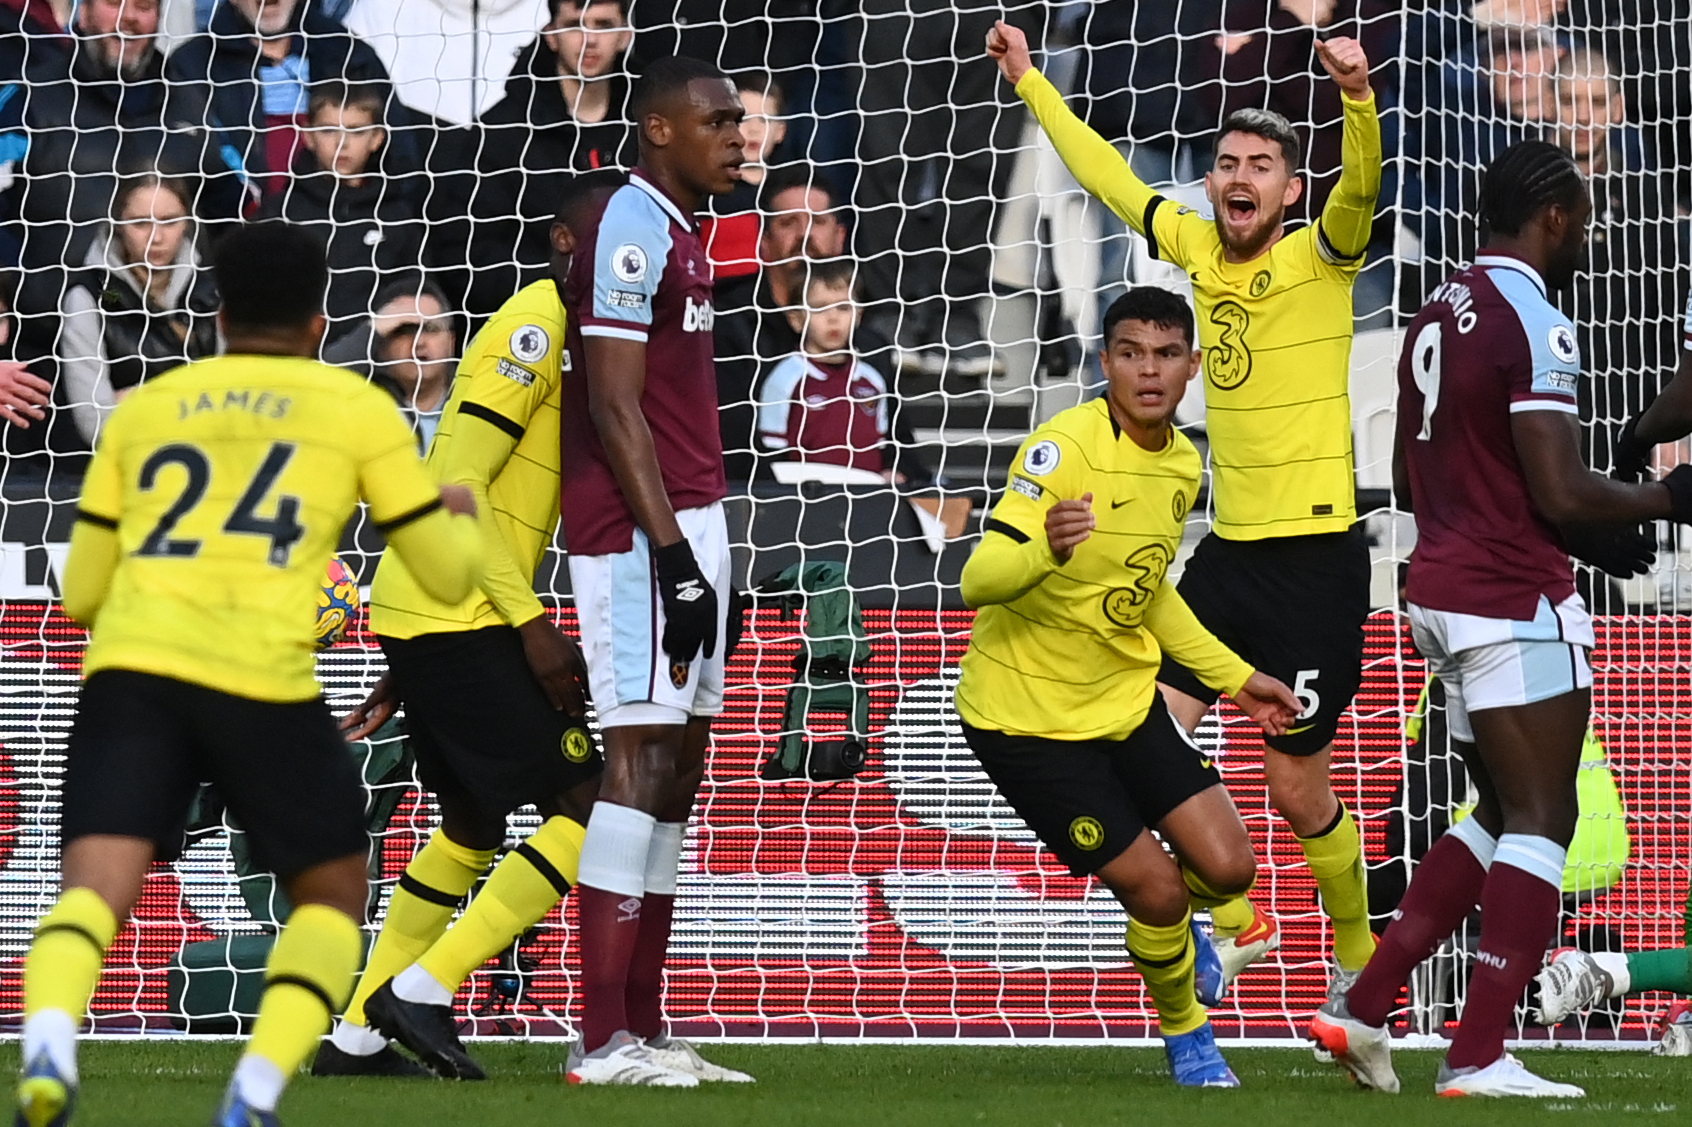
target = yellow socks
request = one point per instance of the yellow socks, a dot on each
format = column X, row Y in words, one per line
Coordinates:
column 521, row 890
column 429, row 892
column 1335, row 857
column 310, row 973
column 1165, row 957
column 60, row 974
column 1229, row 914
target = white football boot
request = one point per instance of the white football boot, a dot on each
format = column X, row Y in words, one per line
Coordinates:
column 1504, row 1077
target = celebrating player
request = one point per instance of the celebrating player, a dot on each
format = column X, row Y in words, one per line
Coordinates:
column 492, row 693
column 649, row 557
column 1488, row 458
column 1283, row 577
column 1070, row 576
column 207, row 516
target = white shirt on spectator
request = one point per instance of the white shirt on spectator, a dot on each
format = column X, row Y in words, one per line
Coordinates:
column 448, row 58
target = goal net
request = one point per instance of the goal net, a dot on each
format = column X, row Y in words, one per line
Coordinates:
column 906, row 899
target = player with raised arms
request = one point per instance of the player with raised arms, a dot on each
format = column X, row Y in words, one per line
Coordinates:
column 1488, row 459
column 649, row 557
column 1283, row 576
column 1059, row 694
column 493, row 692
column 214, row 502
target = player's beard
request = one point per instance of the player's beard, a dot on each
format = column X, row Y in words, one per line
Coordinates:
column 1256, row 240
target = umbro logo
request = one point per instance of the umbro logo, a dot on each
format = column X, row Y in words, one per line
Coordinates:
column 690, row 592
column 629, row 910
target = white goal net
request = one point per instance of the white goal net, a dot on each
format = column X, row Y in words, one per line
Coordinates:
column 428, row 142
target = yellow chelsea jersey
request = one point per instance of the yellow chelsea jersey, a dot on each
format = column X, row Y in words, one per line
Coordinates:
column 499, row 435
column 1276, row 331
column 1071, row 651
column 227, row 483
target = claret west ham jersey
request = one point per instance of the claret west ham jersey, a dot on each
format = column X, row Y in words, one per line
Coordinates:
column 1488, row 344
column 640, row 274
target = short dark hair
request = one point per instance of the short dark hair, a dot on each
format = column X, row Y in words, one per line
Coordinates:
column 579, row 193
column 665, row 78
column 272, row 275
column 1153, row 305
column 798, row 174
column 367, row 96
column 761, row 82
column 839, row 271
column 1526, row 177
column 584, row 5
column 1268, row 125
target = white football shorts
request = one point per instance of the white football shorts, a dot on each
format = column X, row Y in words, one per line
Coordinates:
column 1499, row 662
column 622, row 620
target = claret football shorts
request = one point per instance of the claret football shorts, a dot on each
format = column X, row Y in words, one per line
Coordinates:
column 622, row 619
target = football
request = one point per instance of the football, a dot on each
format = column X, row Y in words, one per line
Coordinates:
column 337, row 603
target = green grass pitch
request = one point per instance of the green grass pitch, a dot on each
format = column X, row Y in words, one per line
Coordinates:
column 147, row 1083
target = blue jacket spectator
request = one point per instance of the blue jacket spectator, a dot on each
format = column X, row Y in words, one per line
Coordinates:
column 256, row 66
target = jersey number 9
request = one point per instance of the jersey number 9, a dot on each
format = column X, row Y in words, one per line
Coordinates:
column 283, row 529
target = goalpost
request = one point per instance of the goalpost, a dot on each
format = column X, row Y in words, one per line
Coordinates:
column 909, row 901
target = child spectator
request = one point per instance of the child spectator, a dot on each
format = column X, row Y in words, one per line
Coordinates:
column 414, row 343
column 140, row 306
column 371, row 228
column 823, row 403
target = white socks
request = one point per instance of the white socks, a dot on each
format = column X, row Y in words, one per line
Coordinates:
column 414, row 984
column 663, row 857
column 52, row 1032
column 614, row 853
column 357, row 1040
column 259, row 1082
column 1615, row 964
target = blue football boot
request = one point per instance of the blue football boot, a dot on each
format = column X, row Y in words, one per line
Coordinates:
column 236, row 1112
column 1209, row 982
column 45, row 1097
column 1197, row 1062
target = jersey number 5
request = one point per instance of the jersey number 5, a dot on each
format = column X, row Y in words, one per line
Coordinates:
column 283, row 529
column 1425, row 360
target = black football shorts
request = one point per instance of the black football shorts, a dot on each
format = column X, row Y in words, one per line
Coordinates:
column 1088, row 800
column 141, row 745
column 481, row 726
column 1292, row 606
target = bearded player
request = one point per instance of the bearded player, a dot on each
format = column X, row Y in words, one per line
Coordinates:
column 217, row 495
column 492, row 693
column 1488, row 459
column 649, row 557
column 1283, row 577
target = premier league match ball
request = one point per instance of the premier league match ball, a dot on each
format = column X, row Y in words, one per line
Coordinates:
column 337, row 603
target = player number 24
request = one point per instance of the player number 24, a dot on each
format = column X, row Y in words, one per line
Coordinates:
column 1424, row 368
column 283, row 529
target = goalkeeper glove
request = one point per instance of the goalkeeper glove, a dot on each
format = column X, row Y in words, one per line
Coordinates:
column 690, row 605
column 1623, row 551
column 1628, row 455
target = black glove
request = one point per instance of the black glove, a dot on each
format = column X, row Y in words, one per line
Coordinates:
column 737, row 609
column 690, row 605
column 1630, row 457
column 1679, row 482
column 1623, row 551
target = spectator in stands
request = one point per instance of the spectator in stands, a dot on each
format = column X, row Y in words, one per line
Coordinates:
column 449, row 58
column 24, row 396
column 1265, row 57
column 565, row 112
column 936, row 142
column 823, row 402
column 801, row 222
column 371, row 228
column 1625, row 303
column 140, row 306
column 83, row 117
column 732, row 230
column 409, row 346
column 257, row 65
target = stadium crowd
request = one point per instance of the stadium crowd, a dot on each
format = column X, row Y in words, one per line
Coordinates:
column 428, row 149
